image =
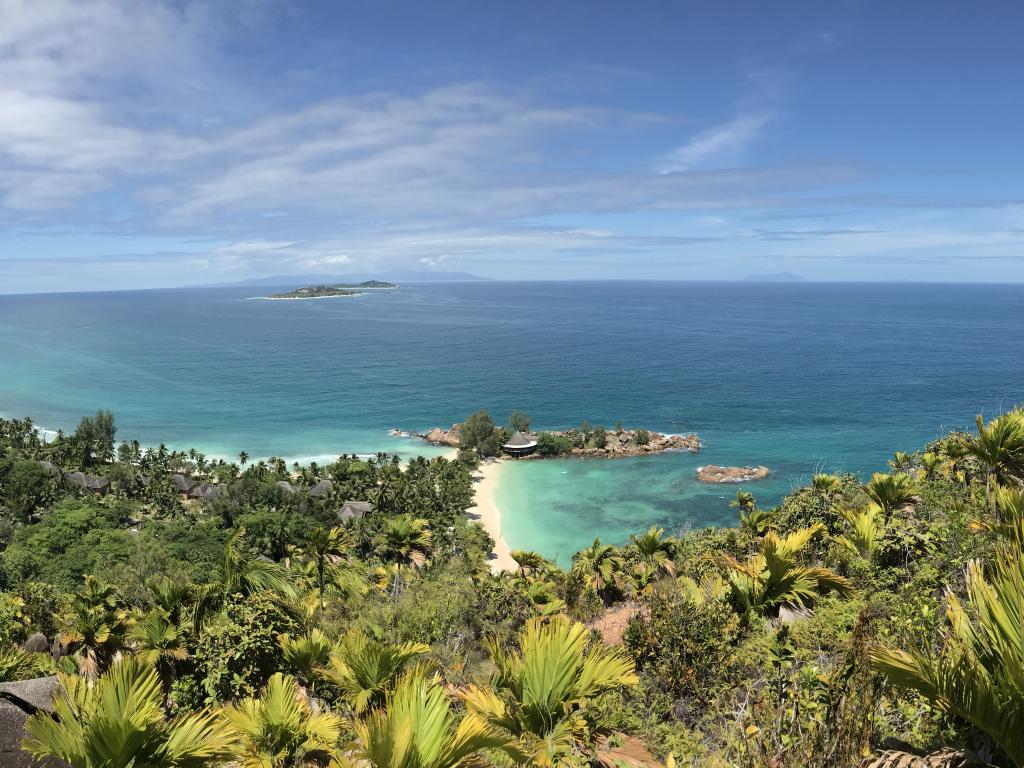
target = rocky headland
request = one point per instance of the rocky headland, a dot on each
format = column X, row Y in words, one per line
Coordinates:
column 712, row 473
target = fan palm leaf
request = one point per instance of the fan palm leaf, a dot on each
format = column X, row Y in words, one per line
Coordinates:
column 280, row 729
column 119, row 722
column 979, row 672
column 364, row 669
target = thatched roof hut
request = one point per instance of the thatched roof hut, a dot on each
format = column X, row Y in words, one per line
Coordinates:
column 354, row 510
column 520, row 445
column 322, row 488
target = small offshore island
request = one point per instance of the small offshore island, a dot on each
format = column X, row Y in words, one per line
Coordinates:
column 330, row 291
column 479, row 433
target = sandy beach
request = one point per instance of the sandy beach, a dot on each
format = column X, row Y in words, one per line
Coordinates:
column 486, row 511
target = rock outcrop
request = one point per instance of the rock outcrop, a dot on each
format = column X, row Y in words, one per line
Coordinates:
column 624, row 444
column 438, row 436
column 19, row 700
column 713, row 473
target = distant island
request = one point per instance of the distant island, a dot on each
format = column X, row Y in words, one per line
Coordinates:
column 327, row 291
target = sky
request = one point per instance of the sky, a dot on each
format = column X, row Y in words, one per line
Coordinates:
column 155, row 144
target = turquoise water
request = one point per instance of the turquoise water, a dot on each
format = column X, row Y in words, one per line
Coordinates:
column 798, row 377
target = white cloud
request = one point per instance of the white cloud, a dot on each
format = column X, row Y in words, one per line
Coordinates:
column 726, row 142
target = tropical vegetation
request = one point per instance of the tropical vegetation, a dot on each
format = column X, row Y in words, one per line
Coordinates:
column 274, row 621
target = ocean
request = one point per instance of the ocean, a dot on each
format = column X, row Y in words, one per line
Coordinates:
column 799, row 377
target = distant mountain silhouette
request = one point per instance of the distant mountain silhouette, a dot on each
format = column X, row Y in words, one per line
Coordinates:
column 396, row 276
column 775, row 277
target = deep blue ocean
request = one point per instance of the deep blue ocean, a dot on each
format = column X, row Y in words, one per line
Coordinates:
column 799, row 377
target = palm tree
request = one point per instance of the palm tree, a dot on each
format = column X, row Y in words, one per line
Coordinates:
column 17, row 664
column 170, row 596
column 601, row 568
column 999, row 447
column 327, row 551
column 243, row 458
column 756, row 520
column 241, row 573
column 280, row 729
column 826, row 485
column 865, row 533
column 930, row 464
column 158, row 642
column 772, row 578
column 364, row 669
column 744, row 501
column 890, row 491
column 529, row 563
column 540, row 693
column 419, row 730
column 405, row 540
column 97, row 628
column 978, row 674
column 306, row 654
column 119, row 721
column 655, row 550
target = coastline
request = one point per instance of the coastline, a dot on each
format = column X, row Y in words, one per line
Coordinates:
column 485, row 511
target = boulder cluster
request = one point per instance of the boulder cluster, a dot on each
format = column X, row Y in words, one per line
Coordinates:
column 712, row 473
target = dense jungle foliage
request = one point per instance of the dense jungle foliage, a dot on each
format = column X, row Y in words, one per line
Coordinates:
column 261, row 621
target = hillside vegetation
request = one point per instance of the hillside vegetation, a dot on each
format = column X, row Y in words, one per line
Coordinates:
column 206, row 613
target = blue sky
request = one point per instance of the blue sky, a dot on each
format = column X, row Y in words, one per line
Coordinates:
column 151, row 144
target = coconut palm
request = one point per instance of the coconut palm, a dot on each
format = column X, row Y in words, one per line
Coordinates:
column 890, row 491
column 159, row 642
column 655, row 549
column 600, row 567
column 119, row 721
column 243, row 458
column 281, row 729
column 418, row 729
column 97, row 627
column 773, row 578
column 999, row 447
column 539, row 692
column 978, row 674
column 405, row 540
column 865, row 533
column 364, row 669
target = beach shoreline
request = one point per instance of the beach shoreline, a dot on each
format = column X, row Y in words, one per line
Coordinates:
column 485, row 511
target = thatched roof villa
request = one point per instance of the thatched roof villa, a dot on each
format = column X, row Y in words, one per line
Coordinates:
column 520, row 445
column 354, row 510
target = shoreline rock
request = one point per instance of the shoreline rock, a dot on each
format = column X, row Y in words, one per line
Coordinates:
column 712, row 473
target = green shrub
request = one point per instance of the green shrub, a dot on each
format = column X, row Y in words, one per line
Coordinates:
column 238, row 650
column 682, row 648
column 549, row 444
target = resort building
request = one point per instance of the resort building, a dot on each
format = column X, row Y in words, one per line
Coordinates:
column 520, row 445
column 354, row 510
column 321, row 489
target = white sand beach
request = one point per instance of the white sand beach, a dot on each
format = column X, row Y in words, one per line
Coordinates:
column 486, row 511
